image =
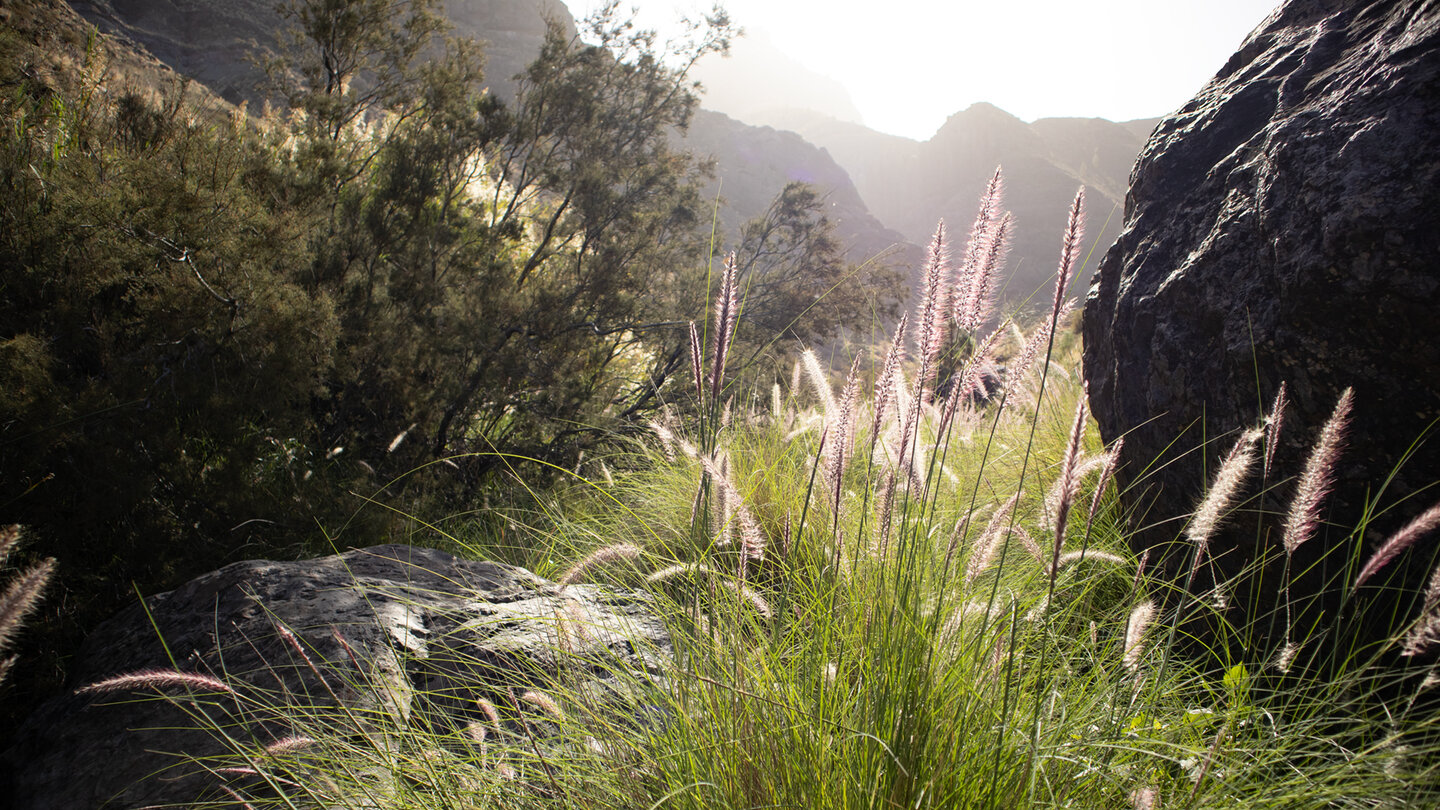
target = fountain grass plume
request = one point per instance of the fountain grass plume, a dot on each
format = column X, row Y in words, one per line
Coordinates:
column 695, row 365
column 815, row 373
column 968, row 293
column 752, row 539
column 932, row 309
column 1426, row 631
column 1319, row 476
column 989, row 542
column 1423, row 524
column 885, row 384
column 599, row 558
column 727, row 312
column 1135, row 627
column 21, row 597
column 1107, row 474
column 970, row 379
column 160, row 679
column 1069, row 484
column 980, row 282
column 1273, row 425
column 1220, row 497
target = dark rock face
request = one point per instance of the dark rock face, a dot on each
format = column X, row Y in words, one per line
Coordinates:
column 428, row 634
column 1282, row 226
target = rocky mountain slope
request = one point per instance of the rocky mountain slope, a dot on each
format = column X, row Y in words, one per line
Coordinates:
column 886, row 193
column 217, row 43
column 910, row 185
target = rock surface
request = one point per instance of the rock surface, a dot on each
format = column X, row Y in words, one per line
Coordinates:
column 1281, row 226
column 428, row 635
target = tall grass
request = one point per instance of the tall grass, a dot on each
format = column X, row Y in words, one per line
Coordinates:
column 922, row 597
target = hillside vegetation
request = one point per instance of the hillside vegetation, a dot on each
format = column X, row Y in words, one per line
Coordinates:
column 221, row 335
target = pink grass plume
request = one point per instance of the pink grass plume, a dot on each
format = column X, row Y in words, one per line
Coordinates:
column 1319, row 476
column 1422, row 525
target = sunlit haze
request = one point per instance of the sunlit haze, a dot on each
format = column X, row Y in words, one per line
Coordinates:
column 907, row 65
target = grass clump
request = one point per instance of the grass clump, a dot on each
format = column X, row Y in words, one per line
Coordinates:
column 919, row 597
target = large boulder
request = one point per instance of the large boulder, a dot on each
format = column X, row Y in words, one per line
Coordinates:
column 1282, row 227
column 403, row 638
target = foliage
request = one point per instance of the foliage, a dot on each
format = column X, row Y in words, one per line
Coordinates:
column 221, row 336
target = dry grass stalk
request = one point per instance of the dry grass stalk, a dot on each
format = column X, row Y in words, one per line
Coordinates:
column 932, row 308
column 1107, row 473
column 695, row 365
column 21, row 597
column 1319, row 476
column 600, row 558
column 1139, row 622
column 160, row 679
column 1273, row 424
column 750, row 597
column 815, row 373
column 989, row 541
column 1221, row 495
column 885, row 385
column 727, row 311
column 1069, row 483
column 1422, row 525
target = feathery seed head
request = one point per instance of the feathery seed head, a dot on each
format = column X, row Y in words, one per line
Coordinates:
column 156, row 679
column 1140, row 619
column 1273, row 423
column 21, row 597
column 727, row 311
column 989, row 541
column 1319, row 477
column 695, row 366
column 979, row 284
column 599, row 557
column 885, row 385
column 1069, row 483
column 816, row 374
column 544, row 703
column 1422, row 525
column 1224, row 489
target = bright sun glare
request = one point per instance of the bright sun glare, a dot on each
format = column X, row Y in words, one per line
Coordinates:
column 909, row 64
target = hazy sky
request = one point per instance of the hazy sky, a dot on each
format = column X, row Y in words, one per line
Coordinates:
column 909, row 64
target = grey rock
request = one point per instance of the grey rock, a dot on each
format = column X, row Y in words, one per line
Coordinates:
column 1282, row 226
column 426, row 635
